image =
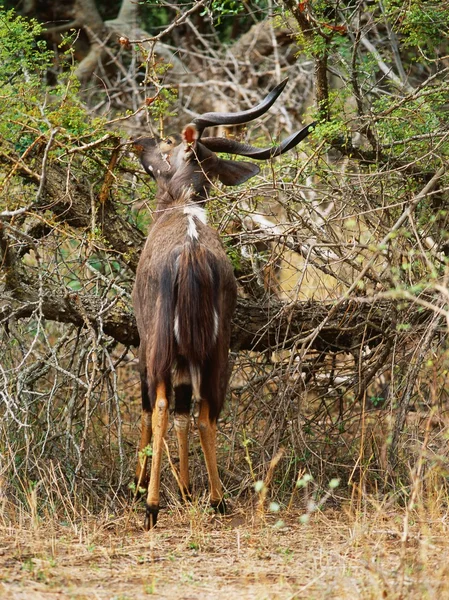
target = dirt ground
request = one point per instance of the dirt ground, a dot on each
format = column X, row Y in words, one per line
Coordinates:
column 193, row 555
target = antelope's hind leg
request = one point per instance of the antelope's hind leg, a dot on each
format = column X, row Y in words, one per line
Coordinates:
column 214, row 378
column 159, row 423
column 207, row 425
column 183, row 398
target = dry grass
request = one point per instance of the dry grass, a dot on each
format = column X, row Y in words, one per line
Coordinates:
column 57, row 542
column 67, row 531
column 375, row 552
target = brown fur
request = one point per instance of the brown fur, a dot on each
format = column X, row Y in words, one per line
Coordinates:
column 184, row 282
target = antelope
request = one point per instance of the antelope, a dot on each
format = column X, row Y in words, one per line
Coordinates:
column 185, row 293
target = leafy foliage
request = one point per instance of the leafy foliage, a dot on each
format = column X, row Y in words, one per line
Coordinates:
column 420, row 24
column 23, row 54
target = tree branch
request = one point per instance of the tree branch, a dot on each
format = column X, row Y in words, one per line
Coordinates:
column 255, row 327
column 69, row 197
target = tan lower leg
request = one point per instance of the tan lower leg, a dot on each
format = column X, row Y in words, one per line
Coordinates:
column 208, row 435
column 182, row 423
column 159, row 424
column 145, row 439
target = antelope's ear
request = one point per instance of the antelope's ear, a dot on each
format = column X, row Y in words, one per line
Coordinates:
column 231, row 172
column 190, row 134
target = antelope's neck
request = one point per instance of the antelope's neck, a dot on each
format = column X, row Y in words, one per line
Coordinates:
column 189, row 207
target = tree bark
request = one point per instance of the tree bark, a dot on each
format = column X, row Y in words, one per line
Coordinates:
column 308, row 30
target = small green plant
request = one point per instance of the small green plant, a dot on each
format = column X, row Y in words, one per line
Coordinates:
column 193, row 545
column 146, row 452
column 28, row 565
column 377, row 401
column 188, row 577
column 150, row 588
column 315, row 499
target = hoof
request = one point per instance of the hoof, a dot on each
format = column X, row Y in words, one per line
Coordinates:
column 150, row 517
column 219, row 506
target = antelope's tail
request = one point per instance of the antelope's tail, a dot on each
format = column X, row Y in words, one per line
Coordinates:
column 188, row 309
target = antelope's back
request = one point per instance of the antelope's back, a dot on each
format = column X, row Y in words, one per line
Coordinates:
column 170, row 239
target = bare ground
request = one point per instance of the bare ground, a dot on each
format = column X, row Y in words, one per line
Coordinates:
column 191, row 555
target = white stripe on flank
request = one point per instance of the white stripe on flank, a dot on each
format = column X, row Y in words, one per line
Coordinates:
column 176, row 329
column 215, row 325
column 177, row 333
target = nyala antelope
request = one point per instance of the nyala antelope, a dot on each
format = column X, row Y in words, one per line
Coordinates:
column 185, row 292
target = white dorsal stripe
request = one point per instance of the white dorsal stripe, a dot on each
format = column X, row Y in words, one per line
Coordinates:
column 192, row 231
column 196, row 211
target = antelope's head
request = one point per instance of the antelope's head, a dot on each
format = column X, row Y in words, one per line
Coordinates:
column 188, row 162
